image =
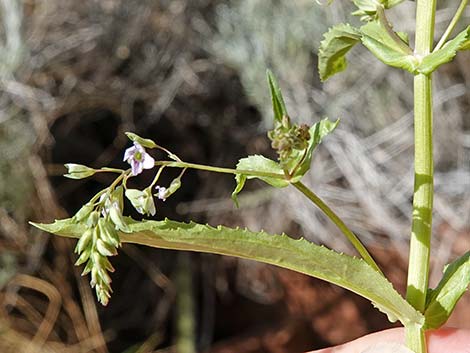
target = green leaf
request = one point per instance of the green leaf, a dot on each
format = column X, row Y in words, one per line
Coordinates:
column 367, row 9
column 333, row 48
column 317, row 133
column 258, row 164
column 465, row 45
column 442, row 300
column 432, row 61
column 280, row 250
column 279, row 107
column 381, row 43
column 140, row 140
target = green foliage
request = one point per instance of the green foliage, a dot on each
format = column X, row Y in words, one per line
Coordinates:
column 140, row 140
column 432, row 61
column 279, row 107
column 386, row 48
column 336, row 43
column 280, row 250
column 257, row 163
column 441, row 301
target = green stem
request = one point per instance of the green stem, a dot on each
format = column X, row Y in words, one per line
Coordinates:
column 452, row 25
column 301, row 187
column 420, row 242
column 353, row 239
column 220, row 169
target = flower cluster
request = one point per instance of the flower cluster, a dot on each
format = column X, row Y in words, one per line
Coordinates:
column 103, row 218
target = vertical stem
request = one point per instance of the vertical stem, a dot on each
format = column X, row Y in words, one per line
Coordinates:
column 420, row 241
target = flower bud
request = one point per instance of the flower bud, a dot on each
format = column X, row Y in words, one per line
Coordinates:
column 78, row 171
column 84, row 241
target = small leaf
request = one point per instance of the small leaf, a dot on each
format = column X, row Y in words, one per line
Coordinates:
column 140, row 140
column 280, row 250
column 376, row 38
column 432, row 61
column 317, row 133
column 333, row 48
column 279, row 107
column 78, row 171
column 442, row 300
column 257, row 163
column 465, row 45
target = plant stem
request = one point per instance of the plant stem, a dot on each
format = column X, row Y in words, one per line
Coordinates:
column 353, row 239
column 220, row 169
column 420, row 242
column 452, row 24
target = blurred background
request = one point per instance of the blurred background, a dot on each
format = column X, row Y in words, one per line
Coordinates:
column 74, row 75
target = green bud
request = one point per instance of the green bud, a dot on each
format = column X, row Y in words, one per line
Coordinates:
column 117, row 197
column 143, row 142
column 142, row 200
column 78, row 171
column 84, row 241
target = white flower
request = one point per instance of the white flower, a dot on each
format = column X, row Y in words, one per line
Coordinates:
column 138, row 158
column 161, row 192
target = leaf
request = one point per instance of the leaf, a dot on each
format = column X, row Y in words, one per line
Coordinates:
column 317, row 133
column 336, row 43
column 432, row 61
column 140, row 140
column 442, row 300
column 367, row 9
column 280, row 250
column 376, row 38
column 279, row 107
column 465, row 45
column 258, row 164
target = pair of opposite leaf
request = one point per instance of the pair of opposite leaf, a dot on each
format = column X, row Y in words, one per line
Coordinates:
column 388, row 46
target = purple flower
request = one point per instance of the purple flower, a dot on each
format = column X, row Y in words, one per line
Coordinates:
column 138, row 159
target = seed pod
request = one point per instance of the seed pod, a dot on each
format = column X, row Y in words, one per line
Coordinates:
column 85, row 255
column 84, row 241
column 118, row 219
column 105, row 249
column 108, row 233
column 92, row 219
column 88, row 267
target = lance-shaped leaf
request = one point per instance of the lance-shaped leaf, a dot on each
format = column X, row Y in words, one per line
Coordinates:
column 280, row 250
column 279, row 107
column 388, row 48
column 260, row 165
column 442, row 300
column 432, row 61
column 333, row 48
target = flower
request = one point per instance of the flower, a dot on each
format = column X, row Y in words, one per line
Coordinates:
column 138, row 158
column 142, row 200
column 161, row 192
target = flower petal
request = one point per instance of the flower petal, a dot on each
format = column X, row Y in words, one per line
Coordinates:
column 129, row 153
column 148, row 162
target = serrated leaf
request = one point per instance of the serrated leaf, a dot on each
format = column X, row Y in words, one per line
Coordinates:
column 336, row 43
column 442, row 300
column 279, row 107
column 432, row 61
column 317, row 133
column 367, row 9
column 376, row 38
column 148, row 143
column 465, row 45
column 259, row 164
column 280, row 250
